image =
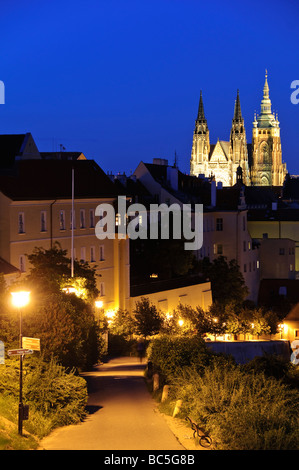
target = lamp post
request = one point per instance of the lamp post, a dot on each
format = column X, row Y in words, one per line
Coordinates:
column 19, row 300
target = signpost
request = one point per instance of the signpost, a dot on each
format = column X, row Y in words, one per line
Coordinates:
column 19, row 352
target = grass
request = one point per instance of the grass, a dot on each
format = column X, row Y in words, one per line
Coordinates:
column 11, row 440
column 9, row 436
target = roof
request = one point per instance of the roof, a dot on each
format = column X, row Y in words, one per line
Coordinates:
column 164, row 285
column 62, row 155
column 7, row 268
column 52, row 179
column 10, row 147
column 271, row 289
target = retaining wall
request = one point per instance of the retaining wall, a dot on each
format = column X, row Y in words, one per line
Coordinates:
column 245, row 351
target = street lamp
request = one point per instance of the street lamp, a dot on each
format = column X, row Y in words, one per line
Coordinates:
column 20, row 299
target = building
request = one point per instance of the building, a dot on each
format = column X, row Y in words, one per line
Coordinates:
column 36, row 211
column 260, row 161
column 225, row 231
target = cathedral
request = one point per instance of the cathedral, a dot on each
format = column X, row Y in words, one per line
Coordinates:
column 260, row 161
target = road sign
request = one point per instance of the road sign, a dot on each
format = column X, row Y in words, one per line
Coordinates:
column 31, row 343
column 19, row 352
column 2, row 353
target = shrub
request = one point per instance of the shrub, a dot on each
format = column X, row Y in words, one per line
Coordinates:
column 55, row 397
column 169, row 354
column 241, row 411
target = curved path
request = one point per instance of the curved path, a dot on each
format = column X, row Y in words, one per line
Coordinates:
column 122, row 415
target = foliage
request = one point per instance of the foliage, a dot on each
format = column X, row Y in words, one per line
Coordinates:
column 67, row 329
column 148, row 320
column 241, row 411
column 49, row 269
column 122, row 323
column 55, row 397
column 171, row 353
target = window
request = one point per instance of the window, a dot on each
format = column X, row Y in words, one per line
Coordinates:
column 21, row 222
column 102, row 289
column 43, row 221
column 244, row 245
column 219, row 225
column 102, row 254
column 245, row 268
column 82, row 218
column 83, row 253
column 72, row 216
column 91, row 218
column 62, row 220
column 117, row 219
column 244, row 223
column 218, row 249
column 22, row 263
column 281, row 251
column 92, row 254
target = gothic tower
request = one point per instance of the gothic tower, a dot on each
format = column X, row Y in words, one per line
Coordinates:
column 238, row 154
column 267, row 167
column 201, row 143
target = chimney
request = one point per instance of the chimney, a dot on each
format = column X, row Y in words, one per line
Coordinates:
column 213, row 193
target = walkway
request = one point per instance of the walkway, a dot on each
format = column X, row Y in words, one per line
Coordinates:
column 122, row 414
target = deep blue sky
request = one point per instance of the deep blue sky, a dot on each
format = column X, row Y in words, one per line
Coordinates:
column 120, row 80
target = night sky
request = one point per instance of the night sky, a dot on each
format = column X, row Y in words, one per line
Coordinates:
column 119, row 80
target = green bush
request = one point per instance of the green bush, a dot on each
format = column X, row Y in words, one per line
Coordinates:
column 55, row 397
column 171, row 353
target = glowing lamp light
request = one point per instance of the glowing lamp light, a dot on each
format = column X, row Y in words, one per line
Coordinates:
column 20, row 298
column 181, row 322
column 99, row 303
column 69, row 290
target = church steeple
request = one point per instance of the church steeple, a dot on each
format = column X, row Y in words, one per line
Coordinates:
column 201, row 113
column 238, row 143
column 267, row 167
column 237, row 113
column 201, row 140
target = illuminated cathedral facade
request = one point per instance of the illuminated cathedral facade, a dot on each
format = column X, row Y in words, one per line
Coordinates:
column 260, row 161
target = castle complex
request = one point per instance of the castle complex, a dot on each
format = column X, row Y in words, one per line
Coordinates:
column 260, row 161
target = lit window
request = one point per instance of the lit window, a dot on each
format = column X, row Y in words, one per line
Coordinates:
column 117, row 219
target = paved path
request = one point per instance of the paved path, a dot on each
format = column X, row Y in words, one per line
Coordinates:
column 123, row 415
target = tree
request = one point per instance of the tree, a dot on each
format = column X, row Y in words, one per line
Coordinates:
column 148, row 320
column 227, row 281
column 51, row 269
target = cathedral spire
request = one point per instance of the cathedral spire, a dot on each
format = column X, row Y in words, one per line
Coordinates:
column 266, row 87
column 237, row 113
column 201, row 113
